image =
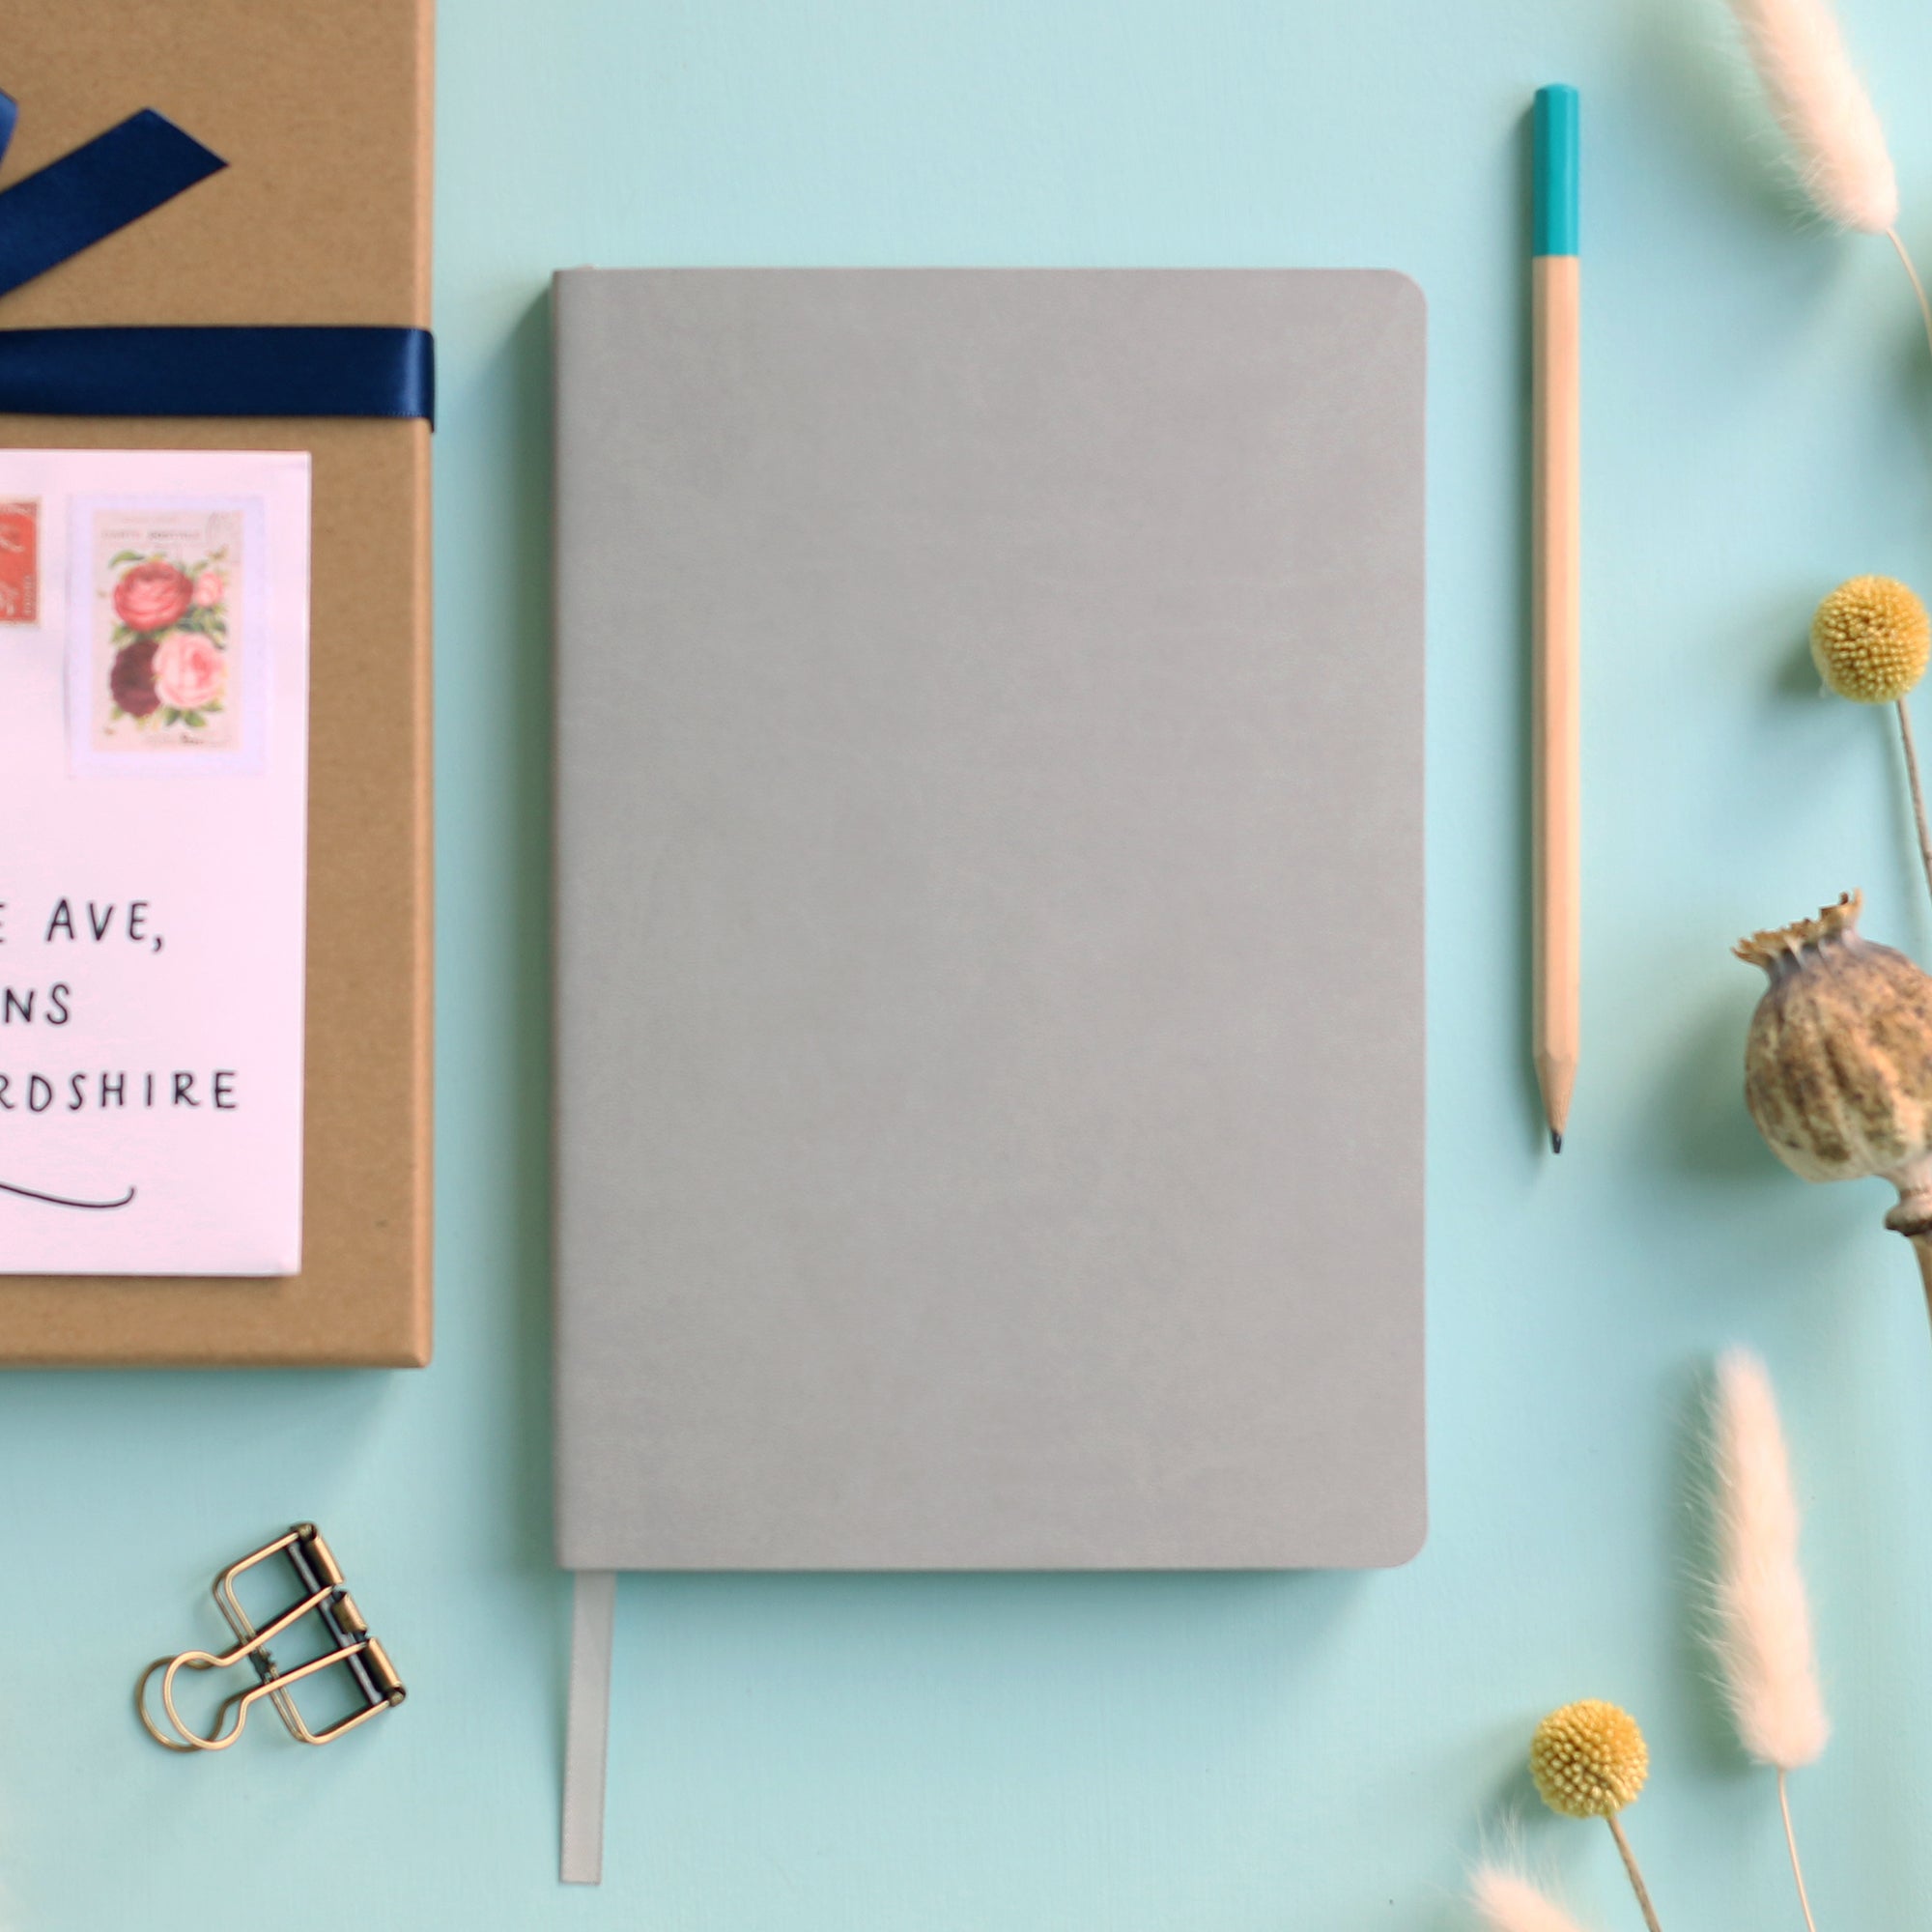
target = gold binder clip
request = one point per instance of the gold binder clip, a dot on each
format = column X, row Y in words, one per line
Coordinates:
column 374, row 1686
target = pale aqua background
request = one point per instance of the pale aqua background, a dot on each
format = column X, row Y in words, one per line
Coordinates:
column 1148, row 1754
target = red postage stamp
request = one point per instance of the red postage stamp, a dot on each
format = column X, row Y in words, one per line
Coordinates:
column 19, row 560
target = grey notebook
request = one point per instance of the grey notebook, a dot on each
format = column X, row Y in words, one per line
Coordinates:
column 990, row 946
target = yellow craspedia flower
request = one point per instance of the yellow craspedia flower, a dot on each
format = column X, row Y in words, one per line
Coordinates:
column 1589, row 1760
column 1870, row 639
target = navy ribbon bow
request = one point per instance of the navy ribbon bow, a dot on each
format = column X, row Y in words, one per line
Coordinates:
column 117, row 178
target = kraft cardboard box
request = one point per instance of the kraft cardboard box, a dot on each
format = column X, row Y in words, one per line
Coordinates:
column 321, row 216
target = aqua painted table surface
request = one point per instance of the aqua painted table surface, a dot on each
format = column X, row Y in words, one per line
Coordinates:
column 1145, row 1754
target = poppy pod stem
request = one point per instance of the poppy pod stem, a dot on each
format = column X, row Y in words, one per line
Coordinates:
column 1916, row 789
column 1921, row 1246
column 1912, row 1217
column 1923, row 1249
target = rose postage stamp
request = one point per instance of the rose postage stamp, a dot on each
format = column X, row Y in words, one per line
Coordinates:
column 167, row 649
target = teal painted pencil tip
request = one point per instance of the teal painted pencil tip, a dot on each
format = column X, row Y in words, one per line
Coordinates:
column 1557, row 118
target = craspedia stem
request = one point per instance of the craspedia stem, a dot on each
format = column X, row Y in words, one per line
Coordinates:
column 1637, row 1885
column 1917, row 792
column 1897, row 242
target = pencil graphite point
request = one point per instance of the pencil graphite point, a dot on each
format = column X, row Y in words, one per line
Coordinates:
column 1556, row 1077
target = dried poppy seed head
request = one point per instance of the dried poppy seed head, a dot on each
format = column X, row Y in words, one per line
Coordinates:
column 1870, row 639
column 1839, row 1065
column 1589, row 1759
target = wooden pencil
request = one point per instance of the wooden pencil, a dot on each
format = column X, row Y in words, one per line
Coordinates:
column 1556, row 605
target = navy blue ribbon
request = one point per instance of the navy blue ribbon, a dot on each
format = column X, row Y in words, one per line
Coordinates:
column 103, row 185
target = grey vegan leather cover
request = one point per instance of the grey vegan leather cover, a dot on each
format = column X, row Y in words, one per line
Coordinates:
column 989, row 947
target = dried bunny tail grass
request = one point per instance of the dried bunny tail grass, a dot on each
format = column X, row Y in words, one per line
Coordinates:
column 1763, row 1620
column 1763, row 1625
column 1506, row 1901
column 1837, row 139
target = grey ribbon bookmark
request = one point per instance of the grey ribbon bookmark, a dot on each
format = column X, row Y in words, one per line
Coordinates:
column 593, row 1614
